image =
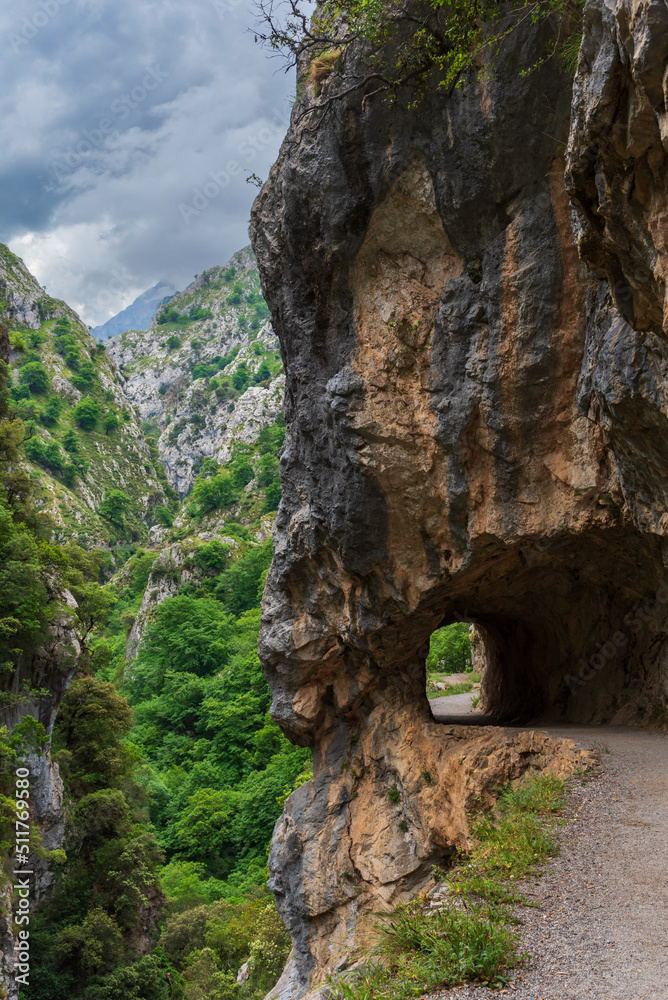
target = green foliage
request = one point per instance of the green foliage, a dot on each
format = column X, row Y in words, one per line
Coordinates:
column 210, row 942
column 217, row 763
column 412, row 49
column 20, row 392
column 71, row 441
column 212, row 556
column 114, row 506
column 263, row 372
column 450, row 649
column 241, row 377
column 220, row 490
column 100, row 899
column 216, row 364
column 92, row 720
column 53, row 456
column 36, row 338
column 193, row 727
column 185, row 885
column 194, row 314
column 87, row 377
column 144, row 980
column 52, row 411
column 86, row 413
column 237, row 588
column 69, row 475
column 30, row 567
column 27, row 736
column 426, row 952
column 164, row 516
column 45, row 452
column 217, row 493
column 35, row 376
column 94, row 604
column 110, row 422
column 468, row 938
column 34, row 449
column 28, row 583
column 91, row 945
column 188, row 635
column 203, row 370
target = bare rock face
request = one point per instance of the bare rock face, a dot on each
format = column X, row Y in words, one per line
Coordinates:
column 617, row 154
column 474, row 433
column 365, row 834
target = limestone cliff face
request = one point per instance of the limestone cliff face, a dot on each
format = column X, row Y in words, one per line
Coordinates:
column 617, row 154
column 37, row 688
column 474, row 433
column 193, row 415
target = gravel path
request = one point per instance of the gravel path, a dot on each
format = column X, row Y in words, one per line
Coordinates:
column 601, row 931
column 451, row 705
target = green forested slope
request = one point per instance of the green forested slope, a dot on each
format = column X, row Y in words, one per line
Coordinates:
column 174, row 772
column 83, row 444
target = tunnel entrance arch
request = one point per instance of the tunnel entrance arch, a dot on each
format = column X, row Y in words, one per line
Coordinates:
column 566, row 630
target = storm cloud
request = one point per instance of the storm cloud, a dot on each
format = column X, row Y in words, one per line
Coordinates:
column 128, row 129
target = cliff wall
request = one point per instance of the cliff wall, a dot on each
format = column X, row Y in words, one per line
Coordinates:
column 474, row 433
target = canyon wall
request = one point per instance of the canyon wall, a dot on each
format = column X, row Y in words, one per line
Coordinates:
column 476, row 421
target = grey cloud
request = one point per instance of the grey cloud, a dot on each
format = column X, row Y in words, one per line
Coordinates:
column 116, row 115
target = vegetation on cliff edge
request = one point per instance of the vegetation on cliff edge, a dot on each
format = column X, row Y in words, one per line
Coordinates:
column 465, row 931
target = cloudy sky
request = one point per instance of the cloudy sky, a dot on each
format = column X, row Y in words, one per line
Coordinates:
column 127, row 131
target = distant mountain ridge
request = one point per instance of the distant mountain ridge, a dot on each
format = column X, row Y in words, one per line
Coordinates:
column 139, row 314
column 207, row 374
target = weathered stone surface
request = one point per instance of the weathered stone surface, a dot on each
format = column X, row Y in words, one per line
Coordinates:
column 348, row 847
column 47, row 675
column 193, row 423
column 617, row 154
column 474, row 433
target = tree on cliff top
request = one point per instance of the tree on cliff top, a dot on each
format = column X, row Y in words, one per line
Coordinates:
column 407, row 46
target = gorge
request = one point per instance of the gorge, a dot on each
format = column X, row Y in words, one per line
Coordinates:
column 475, row 407
column 450, row 332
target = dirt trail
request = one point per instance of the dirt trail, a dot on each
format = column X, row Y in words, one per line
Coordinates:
column 601, row 931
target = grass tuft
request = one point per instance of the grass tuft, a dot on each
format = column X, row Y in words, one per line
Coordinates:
column 468, row 936
column 322, row 66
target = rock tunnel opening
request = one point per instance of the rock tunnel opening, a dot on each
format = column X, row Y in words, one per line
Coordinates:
column 490, row 659
column 561, row 631
column 450, row 667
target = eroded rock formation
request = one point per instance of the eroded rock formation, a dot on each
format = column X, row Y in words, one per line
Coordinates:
column 617, row 154
column 474, row 433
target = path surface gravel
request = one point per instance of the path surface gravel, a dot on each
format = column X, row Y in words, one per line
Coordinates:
column 601, row 931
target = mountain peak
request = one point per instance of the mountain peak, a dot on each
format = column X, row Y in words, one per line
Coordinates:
column 139, row 314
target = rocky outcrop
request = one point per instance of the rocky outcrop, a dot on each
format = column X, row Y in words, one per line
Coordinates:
column 617, row 154
column 24, row 301
column 37, row 687
column 474, row 433
column 199, row 416
column 366, row 834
